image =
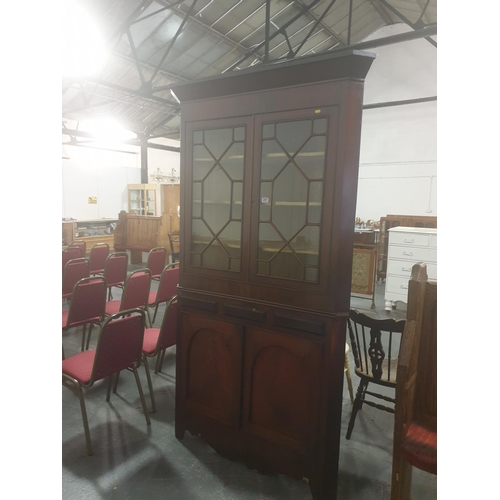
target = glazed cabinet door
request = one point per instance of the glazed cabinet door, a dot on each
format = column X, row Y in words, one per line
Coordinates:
column 294, row 174
column 217, row 155
column 210, row 368
column 282, row 384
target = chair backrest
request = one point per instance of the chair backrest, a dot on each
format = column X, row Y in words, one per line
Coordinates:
column 119, row 344
column 81, row 244
column 156, row 261
column 88, row 301
column 375, row 346
column 74, row 270
column 98, row 255
column 173, row 238
column 71, row 253
column 115, row 269
column 168, row 329
column 168, row 284
column 416, row 392
column 136, row 290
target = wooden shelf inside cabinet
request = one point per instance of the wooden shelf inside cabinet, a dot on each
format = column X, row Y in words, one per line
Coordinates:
column 142, row 199
column 270, row 168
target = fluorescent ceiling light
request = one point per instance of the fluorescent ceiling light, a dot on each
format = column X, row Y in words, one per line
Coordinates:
column 106, row 130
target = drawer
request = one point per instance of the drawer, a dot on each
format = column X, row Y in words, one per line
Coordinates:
column 410, row 239
column 397, row 284
column 413, row 254
column 434, row 241
column 403, row 268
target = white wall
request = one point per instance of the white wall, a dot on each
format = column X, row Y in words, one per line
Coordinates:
column 91, row 172
column 398, row 157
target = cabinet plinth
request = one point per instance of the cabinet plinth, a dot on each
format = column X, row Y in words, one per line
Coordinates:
column 268, row 194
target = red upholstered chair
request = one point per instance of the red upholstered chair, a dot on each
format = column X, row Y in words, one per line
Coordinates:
column 166, row 289
column 81, row 244
column 87, row 305
column 98, row 255
column 415, row 422
column 157, row 340
column 115, row 271
column 119, row 347
column 156, row 261
column 375, row 348
column 71, row 253
column 74, row 270
column 135, row 294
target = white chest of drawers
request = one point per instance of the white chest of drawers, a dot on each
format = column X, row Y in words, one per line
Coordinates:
column 407, row 246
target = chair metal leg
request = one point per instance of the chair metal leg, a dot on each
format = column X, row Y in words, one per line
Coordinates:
column 156, row 310
column 358, row 402
column 115, row 385
column 141, row 394
column 149, row 318
column 83, row 337
column 85, row 420
column 108, row 390
column 150, row 383
column 88, row 336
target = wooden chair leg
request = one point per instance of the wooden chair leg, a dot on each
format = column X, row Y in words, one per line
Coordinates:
column 358, row 402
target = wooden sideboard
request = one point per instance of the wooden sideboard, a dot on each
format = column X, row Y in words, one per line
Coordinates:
column 394, row 221
column 92, row 231
column 407, row 246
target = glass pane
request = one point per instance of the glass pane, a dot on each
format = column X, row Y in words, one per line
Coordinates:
column 196, row 199
column 306, row 245
column 235, row 265
column 217, row 141
column 201, row 236
column 268, row 130
column 195, row 259
column 289, row 201
column 319, row 126
column 311, row 274
column 198, row 137
column 273, row 159
column 311, row 157
column 202, row 162
column 239, row 134
column 237, row 208
column 216, row 200
column 270, row 242
column 263, row 268
column 292, row 135
column 315, row 197
column 233, row 161
column 215, row 257
column 230, row 239
column 286, row 265
column 265, row 200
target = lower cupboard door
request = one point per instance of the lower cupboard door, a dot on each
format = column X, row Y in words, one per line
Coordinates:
column 282, row 384
column 211, row 368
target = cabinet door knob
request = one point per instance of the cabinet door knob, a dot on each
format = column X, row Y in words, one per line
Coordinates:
column 408, row 253
column 405, row 269
column 409, row 240
column 403, row 287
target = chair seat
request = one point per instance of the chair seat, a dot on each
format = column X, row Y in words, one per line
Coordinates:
column 97, row 271
column 112, row 307
column 150, row 340
column 385, row 371
column 420, row 448
column 79, row 366
column 152, row 298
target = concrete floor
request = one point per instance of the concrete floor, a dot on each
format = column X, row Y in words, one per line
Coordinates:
column 135, row 461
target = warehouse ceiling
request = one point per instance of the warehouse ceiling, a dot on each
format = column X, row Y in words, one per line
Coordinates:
column 150, row 45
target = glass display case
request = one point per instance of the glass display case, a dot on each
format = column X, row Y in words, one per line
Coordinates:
column 91, row 231
column 142, row 199
column 268, row 196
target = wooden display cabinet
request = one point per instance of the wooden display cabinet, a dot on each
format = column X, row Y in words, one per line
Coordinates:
column 268, row 195
column 142, row 199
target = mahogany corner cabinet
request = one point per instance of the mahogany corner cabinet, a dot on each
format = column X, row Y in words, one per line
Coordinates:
column 269, row 172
